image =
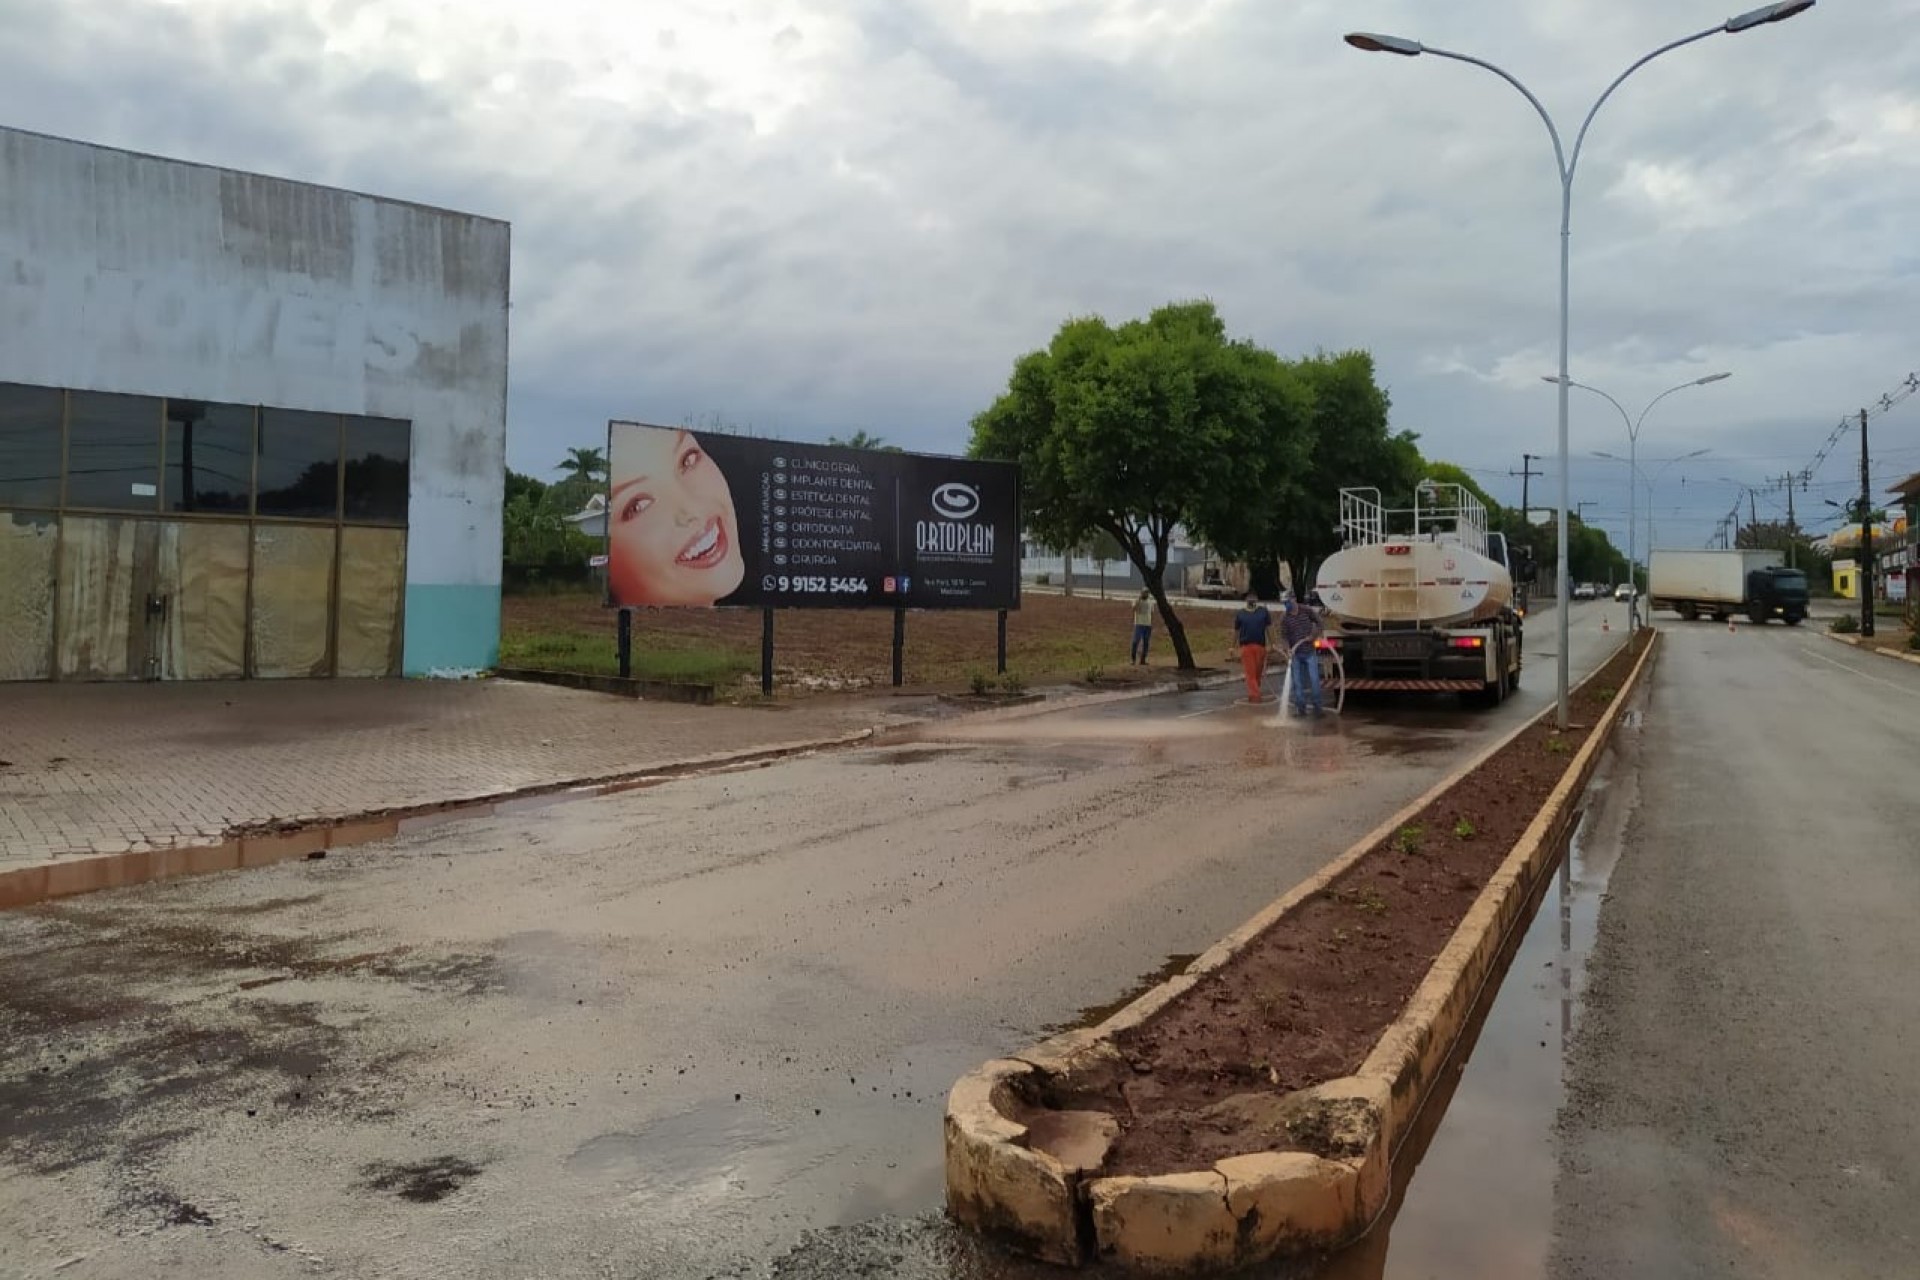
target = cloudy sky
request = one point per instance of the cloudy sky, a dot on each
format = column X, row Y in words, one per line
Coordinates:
column 814, row 216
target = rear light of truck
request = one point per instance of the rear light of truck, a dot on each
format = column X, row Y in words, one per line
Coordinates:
column 1467, row 642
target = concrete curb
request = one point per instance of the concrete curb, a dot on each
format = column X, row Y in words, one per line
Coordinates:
column 1005, row 1176
column 1854, row 642
column 268, row 843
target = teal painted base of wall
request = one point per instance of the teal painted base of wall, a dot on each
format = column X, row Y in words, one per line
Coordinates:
column 451, row 630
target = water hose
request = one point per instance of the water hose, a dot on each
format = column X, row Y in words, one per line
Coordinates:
column 1340, row 675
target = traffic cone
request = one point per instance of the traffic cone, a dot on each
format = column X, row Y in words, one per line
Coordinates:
column 1606, row 623
column 1729, row 624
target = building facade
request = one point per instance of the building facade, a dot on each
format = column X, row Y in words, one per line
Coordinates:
column 248, row 427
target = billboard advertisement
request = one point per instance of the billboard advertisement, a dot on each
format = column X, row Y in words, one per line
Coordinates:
column 698, row 519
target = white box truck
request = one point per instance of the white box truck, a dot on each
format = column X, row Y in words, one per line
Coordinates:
column 1719, row 584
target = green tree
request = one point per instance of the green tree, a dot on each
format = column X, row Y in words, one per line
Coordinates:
column 863, row 440
column 1353, row 447
column 536, row 536
column 1139, row 429
column 586, row 465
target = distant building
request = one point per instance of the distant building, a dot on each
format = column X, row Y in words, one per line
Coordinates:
column 248, row 426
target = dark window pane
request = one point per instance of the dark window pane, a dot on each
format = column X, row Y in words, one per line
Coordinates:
column 29, row 446
column 377, row 450
column 209, row 456
column 299, row 464
column 113, row 451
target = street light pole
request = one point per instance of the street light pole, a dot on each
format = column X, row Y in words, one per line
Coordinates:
column 1566, row 164
column 1633, row 448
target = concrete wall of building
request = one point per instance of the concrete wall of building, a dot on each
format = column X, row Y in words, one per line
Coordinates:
column 131, row 273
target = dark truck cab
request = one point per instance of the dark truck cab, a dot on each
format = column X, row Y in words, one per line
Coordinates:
column 1777, row 593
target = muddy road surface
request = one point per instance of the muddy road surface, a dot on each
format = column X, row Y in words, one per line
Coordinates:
column 704, row 1029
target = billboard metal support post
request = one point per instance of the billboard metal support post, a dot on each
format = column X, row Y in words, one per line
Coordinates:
column 1000, row 652
column 623, row 644
column 899, row 646
column 766, row 653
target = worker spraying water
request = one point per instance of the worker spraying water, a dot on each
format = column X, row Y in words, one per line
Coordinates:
column 1300, row 632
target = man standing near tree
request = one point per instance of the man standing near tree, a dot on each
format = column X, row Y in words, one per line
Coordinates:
column 1250, row 628
column 1142, row 628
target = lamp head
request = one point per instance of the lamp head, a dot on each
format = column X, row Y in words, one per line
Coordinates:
column 1371, row 43
column 1766, row 13
column 1712, row 377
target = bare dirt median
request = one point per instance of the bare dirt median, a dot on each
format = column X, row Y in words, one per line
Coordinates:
column 1305, row 1003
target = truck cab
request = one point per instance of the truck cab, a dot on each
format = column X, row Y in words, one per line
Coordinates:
column 1777, row 593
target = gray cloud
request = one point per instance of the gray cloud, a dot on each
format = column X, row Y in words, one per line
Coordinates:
column 814, row 216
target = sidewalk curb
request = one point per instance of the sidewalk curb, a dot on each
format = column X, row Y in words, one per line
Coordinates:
column 1854, row 643
column 263, row 844
column 1260, row 1205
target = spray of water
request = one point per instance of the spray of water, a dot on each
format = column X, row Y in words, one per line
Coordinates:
column 1280, row 717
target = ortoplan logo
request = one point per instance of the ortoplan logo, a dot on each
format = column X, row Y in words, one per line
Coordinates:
column 954, row 534
column 956, row 501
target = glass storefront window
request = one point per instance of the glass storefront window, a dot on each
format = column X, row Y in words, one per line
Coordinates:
column 376, row 470
column 113, row 451
column 209, row 457
column 299, row 456
column 29, row 446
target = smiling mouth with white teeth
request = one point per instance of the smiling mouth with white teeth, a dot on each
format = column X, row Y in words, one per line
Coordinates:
column 707, row 549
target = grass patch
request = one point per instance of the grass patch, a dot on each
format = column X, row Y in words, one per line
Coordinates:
column 594, row 655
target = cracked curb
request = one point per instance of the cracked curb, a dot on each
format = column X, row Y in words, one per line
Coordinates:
column 1004, row 1177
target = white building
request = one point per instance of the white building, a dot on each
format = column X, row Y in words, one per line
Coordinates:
column 248, row 427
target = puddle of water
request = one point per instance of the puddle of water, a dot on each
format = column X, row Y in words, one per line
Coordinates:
column 1409, row 744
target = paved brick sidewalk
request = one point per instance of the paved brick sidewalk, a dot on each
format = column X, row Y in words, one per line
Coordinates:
column 101, row 768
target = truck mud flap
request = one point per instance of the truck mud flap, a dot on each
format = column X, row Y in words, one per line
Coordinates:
column 1408, row 686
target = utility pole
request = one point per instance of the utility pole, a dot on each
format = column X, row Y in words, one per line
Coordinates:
column 1753, row 512
column 1526, row 473
column 1866, row 533
column 1791, row 535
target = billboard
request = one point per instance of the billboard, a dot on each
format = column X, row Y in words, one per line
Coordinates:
column 698, row 519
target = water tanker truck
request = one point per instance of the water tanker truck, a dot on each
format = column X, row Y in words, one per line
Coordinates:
column 1421, row 600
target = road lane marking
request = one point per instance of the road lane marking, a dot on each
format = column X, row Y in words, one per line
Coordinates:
column 1855, row 671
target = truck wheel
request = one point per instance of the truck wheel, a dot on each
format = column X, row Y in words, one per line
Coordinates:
column 1687, row 612
column 1794, row 619
column 1757, row 618
column 1721, row 617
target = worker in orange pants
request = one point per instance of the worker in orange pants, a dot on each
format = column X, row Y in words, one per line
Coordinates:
column 1251, row 627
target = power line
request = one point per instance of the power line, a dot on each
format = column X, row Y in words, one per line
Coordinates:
column 1906, row 389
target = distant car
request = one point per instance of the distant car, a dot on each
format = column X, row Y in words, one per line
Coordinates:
column 1623, row 592
column 1584, row 591
column 1213, row 587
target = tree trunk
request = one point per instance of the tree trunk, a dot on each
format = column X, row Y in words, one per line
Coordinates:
column 1066, row 573
column 1155, row 578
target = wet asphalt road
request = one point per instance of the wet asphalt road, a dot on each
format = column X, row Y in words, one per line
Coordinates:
column 1742, row 1099
column 704, row 1029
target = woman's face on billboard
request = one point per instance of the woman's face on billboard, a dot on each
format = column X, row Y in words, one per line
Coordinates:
column 673, row 536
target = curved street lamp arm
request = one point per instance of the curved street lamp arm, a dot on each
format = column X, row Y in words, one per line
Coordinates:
column 1632, row 430
column 1553, row 131
column 1657, row 399
column 1580, row 140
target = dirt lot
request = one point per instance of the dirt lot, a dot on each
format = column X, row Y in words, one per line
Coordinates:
column 1049, row 638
